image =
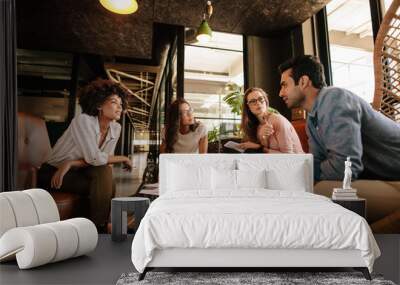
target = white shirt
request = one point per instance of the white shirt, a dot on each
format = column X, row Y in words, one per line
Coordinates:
column 81, row 141
column 188, row 143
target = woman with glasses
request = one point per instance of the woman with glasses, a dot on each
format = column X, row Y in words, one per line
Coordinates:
column 264, row 130
column 182, row 133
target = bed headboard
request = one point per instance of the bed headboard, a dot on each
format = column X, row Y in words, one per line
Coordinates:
column 231, row 161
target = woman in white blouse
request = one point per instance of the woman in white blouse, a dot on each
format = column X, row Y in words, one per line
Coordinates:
column 182, row 133
column 80, row 160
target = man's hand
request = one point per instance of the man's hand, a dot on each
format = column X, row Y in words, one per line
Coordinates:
column 249, row 145
column 127, row 164
column 57, row 179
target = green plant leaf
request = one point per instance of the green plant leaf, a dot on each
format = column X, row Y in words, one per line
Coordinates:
column 235, row 99
column 213, row 135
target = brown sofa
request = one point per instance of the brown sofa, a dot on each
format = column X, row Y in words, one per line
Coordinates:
column 383, row 197
column 34, row 149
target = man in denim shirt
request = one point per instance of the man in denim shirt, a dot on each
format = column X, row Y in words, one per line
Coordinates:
column 340, row 124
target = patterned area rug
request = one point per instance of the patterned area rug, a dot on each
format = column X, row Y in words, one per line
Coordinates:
column 233, row 278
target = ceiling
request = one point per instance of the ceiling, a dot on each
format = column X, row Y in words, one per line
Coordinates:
column 85, row 26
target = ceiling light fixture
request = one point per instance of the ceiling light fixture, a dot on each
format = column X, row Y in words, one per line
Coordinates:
column 204, row 32
column 120, row 6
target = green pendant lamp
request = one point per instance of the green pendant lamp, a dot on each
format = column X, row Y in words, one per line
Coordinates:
column 204, row 32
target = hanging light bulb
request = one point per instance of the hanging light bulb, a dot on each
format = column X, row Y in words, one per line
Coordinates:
column 204, row 32
column 120, row 6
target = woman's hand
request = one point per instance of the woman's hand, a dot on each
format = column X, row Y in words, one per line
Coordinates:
column 127, row 164
column 249, row 145
column 268, row 130
column 57, row 179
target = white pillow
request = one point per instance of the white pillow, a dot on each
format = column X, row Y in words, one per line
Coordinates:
column 223, row 179
column 185, row 177
column 292, row 178
column 285, row 174
column 251, row 178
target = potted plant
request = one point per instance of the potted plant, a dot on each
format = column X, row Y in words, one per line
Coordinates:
column 213, row 134
column 235, row 99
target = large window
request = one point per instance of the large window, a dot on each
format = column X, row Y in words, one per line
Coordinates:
column 351, row 46
column 386, row 4
column 212, row 71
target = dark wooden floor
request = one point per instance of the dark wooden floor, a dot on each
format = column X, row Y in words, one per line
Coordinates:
column 106, row 264
column 103, row 266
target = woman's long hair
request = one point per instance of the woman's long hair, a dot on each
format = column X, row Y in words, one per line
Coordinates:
column 173, row 124
column 249, row 120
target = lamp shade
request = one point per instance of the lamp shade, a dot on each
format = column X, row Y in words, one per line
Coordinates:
column 204, row 32
column 120, row 6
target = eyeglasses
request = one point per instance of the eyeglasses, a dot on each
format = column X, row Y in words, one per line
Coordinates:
column 253, row 102
column 187, row 112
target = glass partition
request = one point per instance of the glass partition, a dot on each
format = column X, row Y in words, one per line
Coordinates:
column 213, row 71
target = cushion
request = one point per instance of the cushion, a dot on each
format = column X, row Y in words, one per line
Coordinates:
column 7, row 218
column 45, row 205
column 293, row 180
column 40, row 244
column 251, row 178
column 282, row 174
column 167, row 174
column 184, row 177
column 383, row 197
column 66, row 237
column 223, row 179
column 23, row 208
column 26, row 208
column 87, row 234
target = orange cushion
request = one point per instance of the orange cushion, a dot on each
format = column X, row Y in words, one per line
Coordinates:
column 300, row 127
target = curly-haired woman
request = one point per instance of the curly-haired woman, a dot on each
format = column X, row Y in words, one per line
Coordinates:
column 182, row 133
column 80, row 160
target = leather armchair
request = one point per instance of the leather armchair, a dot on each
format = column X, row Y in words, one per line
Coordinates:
column 300, row 127
column 33, row 150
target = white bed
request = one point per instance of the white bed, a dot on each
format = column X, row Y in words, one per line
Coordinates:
column 226, row 226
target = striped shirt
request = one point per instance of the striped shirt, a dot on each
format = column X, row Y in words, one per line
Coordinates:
column 81, row 141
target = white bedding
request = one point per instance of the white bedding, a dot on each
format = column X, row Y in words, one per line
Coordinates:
column 251, row 218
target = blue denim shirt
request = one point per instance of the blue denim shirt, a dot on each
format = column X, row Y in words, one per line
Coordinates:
column 342, row 124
